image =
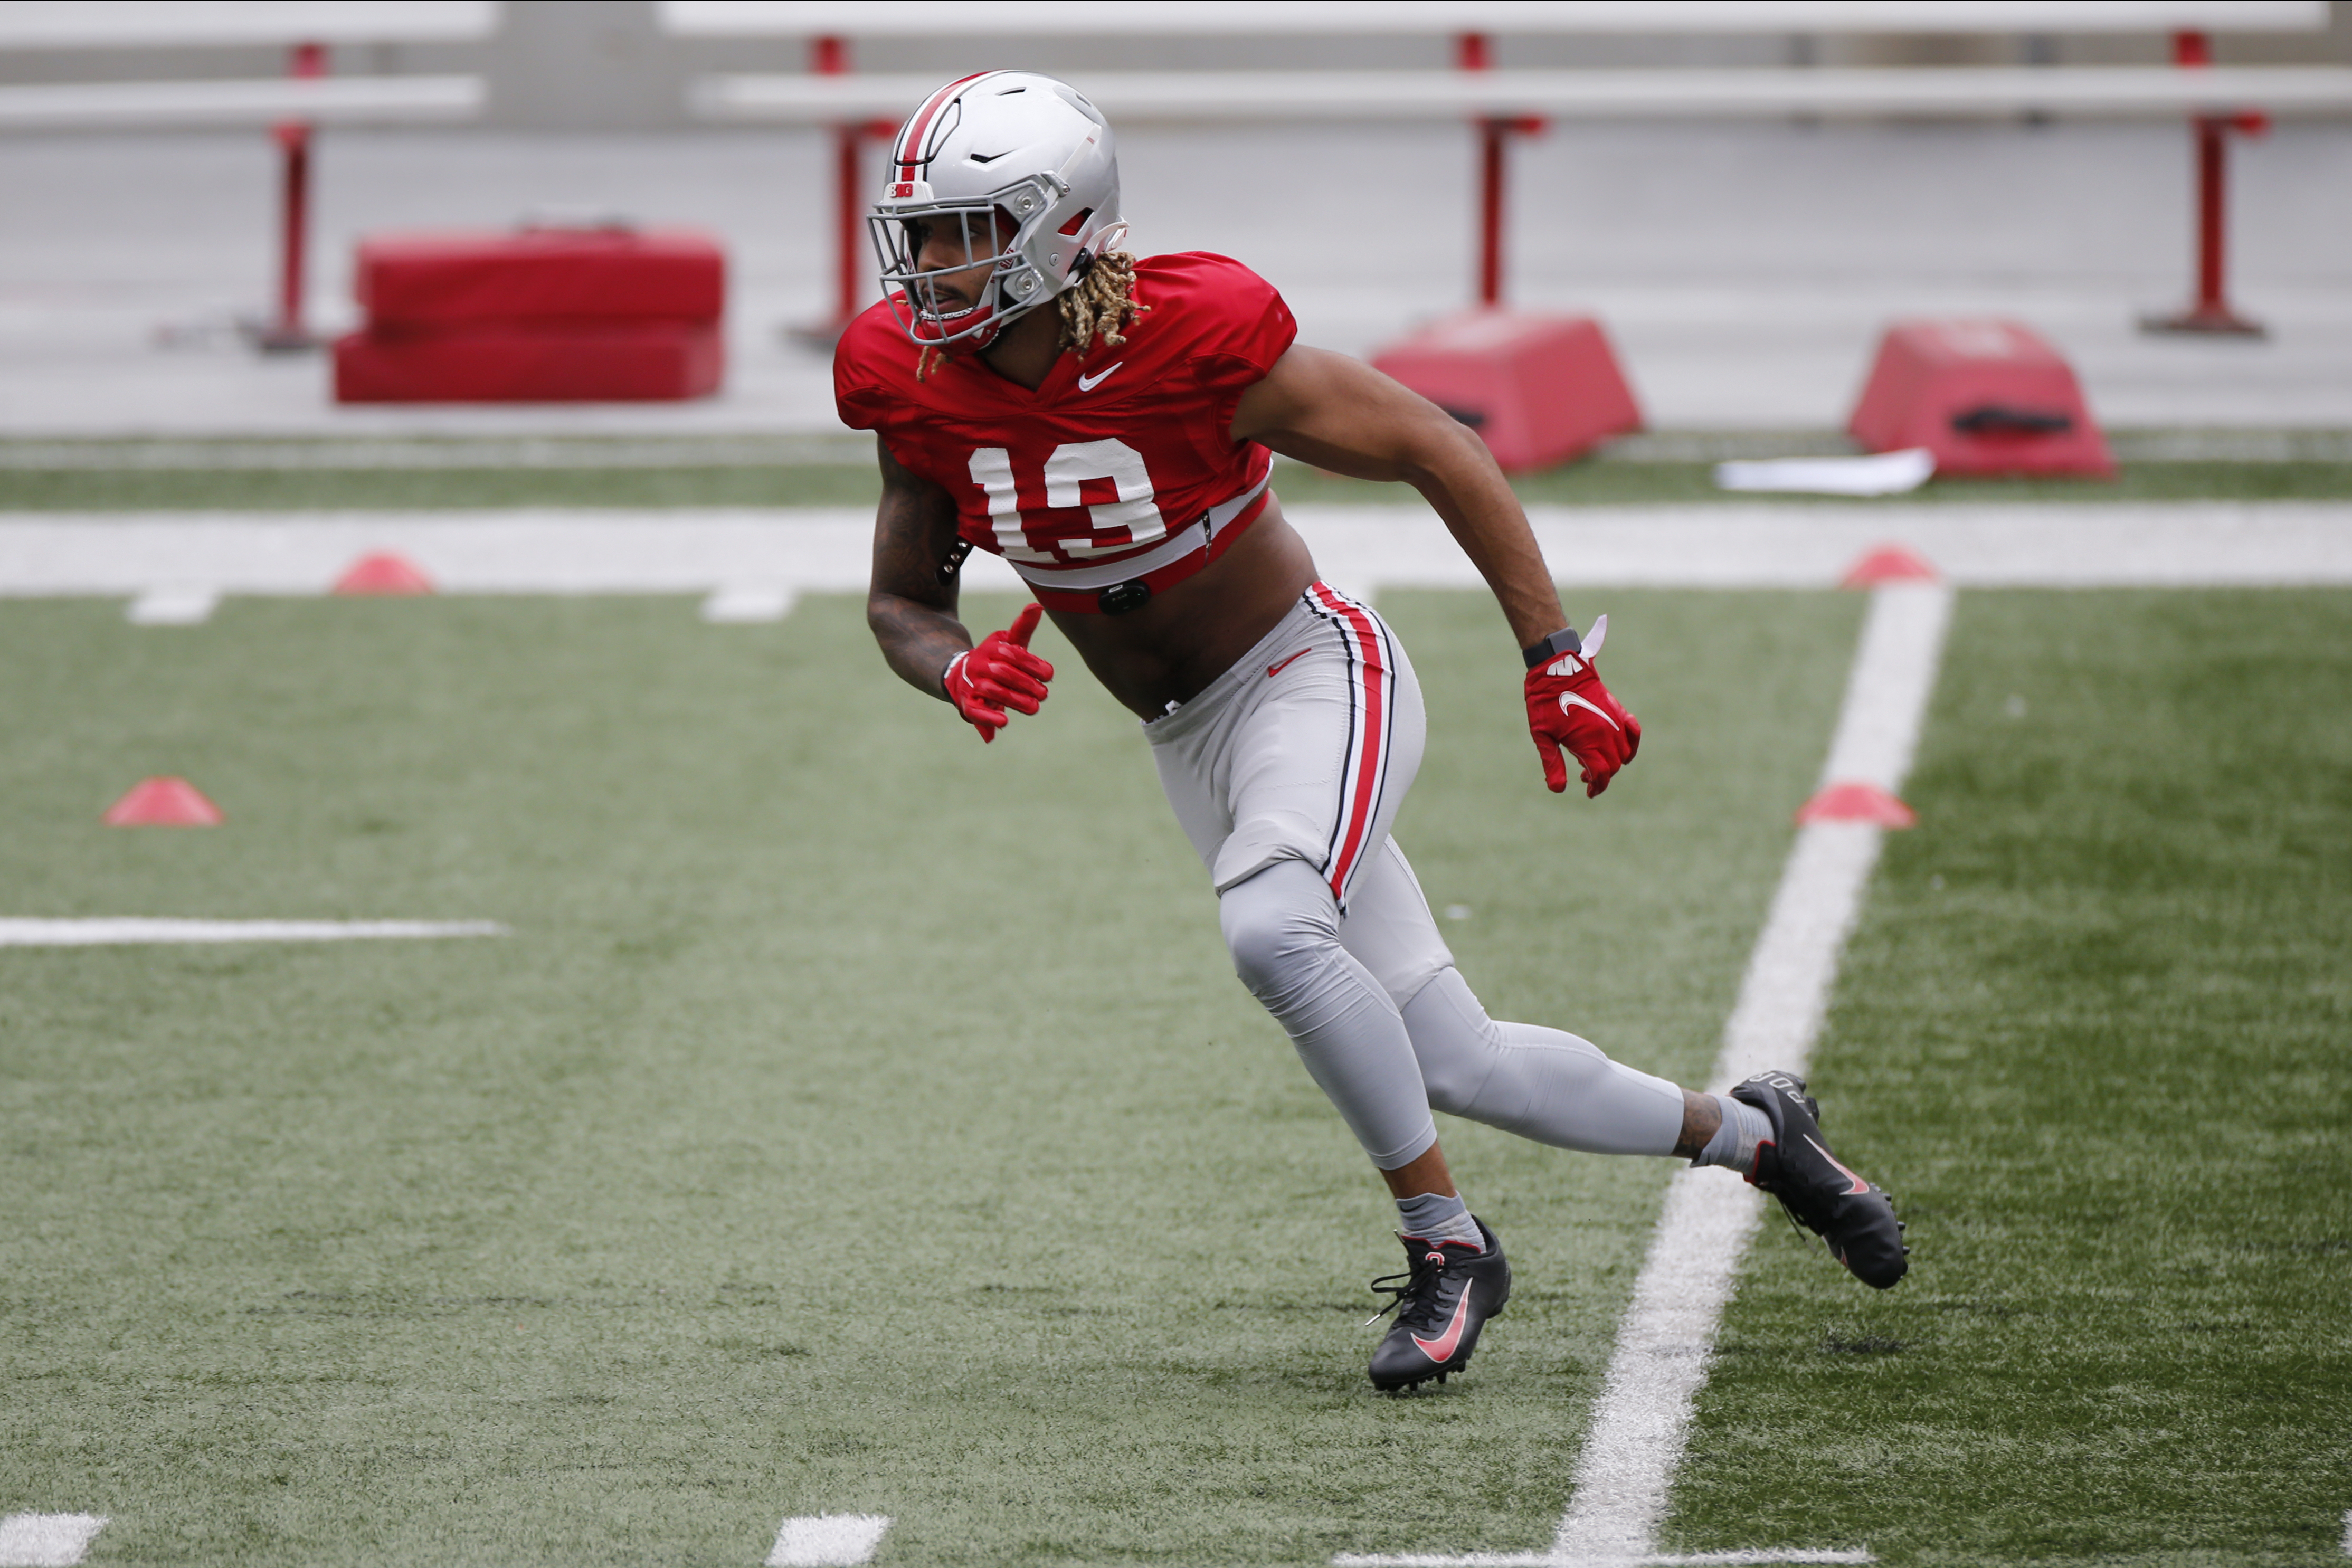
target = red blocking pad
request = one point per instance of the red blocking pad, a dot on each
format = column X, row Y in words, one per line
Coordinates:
column 1985, row 396
column 652, row 362
column 1538, row 389
column 537, row 275
column 168, row 802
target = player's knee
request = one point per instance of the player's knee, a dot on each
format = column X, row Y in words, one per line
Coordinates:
column 1281, row 928
column 1459, row 1046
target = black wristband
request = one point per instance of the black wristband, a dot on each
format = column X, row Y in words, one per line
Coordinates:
column 1564, row 641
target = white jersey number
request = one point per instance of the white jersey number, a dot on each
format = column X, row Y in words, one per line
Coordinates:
column 1121, row 525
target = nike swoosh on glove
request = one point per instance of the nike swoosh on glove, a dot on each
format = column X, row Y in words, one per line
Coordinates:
column 1000, row 673
column 1568, row 707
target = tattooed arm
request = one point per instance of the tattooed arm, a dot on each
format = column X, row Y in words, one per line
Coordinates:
column 911, row 605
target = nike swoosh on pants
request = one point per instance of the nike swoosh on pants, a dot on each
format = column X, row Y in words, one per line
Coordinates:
column 1442, row 1346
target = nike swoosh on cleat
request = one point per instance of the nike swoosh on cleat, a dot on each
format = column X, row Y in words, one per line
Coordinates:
column 1088, row 383
column 1274, row 670
column 1442, row 1347
column 1859, row 1186
column 1568, row 697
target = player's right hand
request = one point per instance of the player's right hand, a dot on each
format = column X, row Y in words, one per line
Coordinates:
column 1000, row 673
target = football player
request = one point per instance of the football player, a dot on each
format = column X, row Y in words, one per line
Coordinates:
column 1106, row 425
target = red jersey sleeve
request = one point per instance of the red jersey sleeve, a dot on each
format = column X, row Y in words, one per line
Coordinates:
column 1237, row 323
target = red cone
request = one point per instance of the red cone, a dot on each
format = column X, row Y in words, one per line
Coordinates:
column 164, row 802
column 384, row 572
column 1888, row 563
column 1856, row 803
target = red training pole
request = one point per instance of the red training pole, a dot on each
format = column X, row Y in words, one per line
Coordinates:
column 1490, row 215
column 845, row 148
column 2212, row 170
column 830, row 57
column 286, row 333
column 2211, row 311
column 1472, row 52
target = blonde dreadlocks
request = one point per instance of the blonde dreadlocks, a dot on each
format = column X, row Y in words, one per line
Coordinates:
column 1101, row 304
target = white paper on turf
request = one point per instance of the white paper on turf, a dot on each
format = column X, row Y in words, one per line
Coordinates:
column 1882, row 474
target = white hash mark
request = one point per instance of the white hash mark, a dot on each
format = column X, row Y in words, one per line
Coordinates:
column 172, row 607
column 120, row 931
column 46, row 1540
column 748, row 604
column 828, row 1540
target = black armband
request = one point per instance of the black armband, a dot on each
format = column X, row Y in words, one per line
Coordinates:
column 1552, row 647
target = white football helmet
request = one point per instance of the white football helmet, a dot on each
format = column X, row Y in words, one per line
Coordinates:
column 1023, row 170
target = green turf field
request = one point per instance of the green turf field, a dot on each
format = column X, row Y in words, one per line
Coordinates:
column 2093, row 1031
column 854, row 483
column 861, row 1119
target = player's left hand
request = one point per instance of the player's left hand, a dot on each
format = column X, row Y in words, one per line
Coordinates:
column 1000, row 673
column 1569, row 707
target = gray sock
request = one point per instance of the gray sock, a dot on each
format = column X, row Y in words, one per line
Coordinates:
column 1432, row 1217
column 1734, row 1143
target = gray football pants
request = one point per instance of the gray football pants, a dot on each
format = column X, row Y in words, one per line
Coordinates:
column 1286, row 774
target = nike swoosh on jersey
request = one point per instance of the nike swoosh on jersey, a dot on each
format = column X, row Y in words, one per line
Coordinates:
column 1444, row 1345
column 1859, row 1186
column 1568, row 697
column 1088, row 383
column 1274, row 670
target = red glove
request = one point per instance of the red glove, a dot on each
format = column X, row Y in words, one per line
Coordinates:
column 1568, row 707
column 1000, row 673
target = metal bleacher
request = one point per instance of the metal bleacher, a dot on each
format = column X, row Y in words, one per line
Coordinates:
column 289, row 105
column 1503, row 102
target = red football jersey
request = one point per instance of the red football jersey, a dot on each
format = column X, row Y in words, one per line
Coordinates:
column 1119, row 467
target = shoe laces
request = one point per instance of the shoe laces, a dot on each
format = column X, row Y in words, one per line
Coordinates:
column 1798, row 1222
column 1777, row 1186
column 1417, row 1287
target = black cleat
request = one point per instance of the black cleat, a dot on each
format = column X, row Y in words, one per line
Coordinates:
column 1854, row 1218
column 1443, row 1301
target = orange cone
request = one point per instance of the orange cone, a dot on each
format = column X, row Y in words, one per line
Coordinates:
column 1856, row 803
column 1888, row 563
column 384, row 572
column 168, row 802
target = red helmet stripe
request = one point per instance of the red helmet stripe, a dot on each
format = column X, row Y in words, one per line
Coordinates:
column 909, row 150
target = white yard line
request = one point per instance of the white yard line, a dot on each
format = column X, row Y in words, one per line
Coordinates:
column 708, row 550
column 2346, row 1542
column 828, row 1540
column 1667, row 1341
column 46, row 1540
column 112, row 932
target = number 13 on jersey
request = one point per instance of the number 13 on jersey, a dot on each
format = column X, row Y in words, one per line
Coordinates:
column 1127, row 518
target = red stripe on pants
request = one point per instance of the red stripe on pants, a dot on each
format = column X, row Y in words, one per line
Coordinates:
column 1368, row 751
